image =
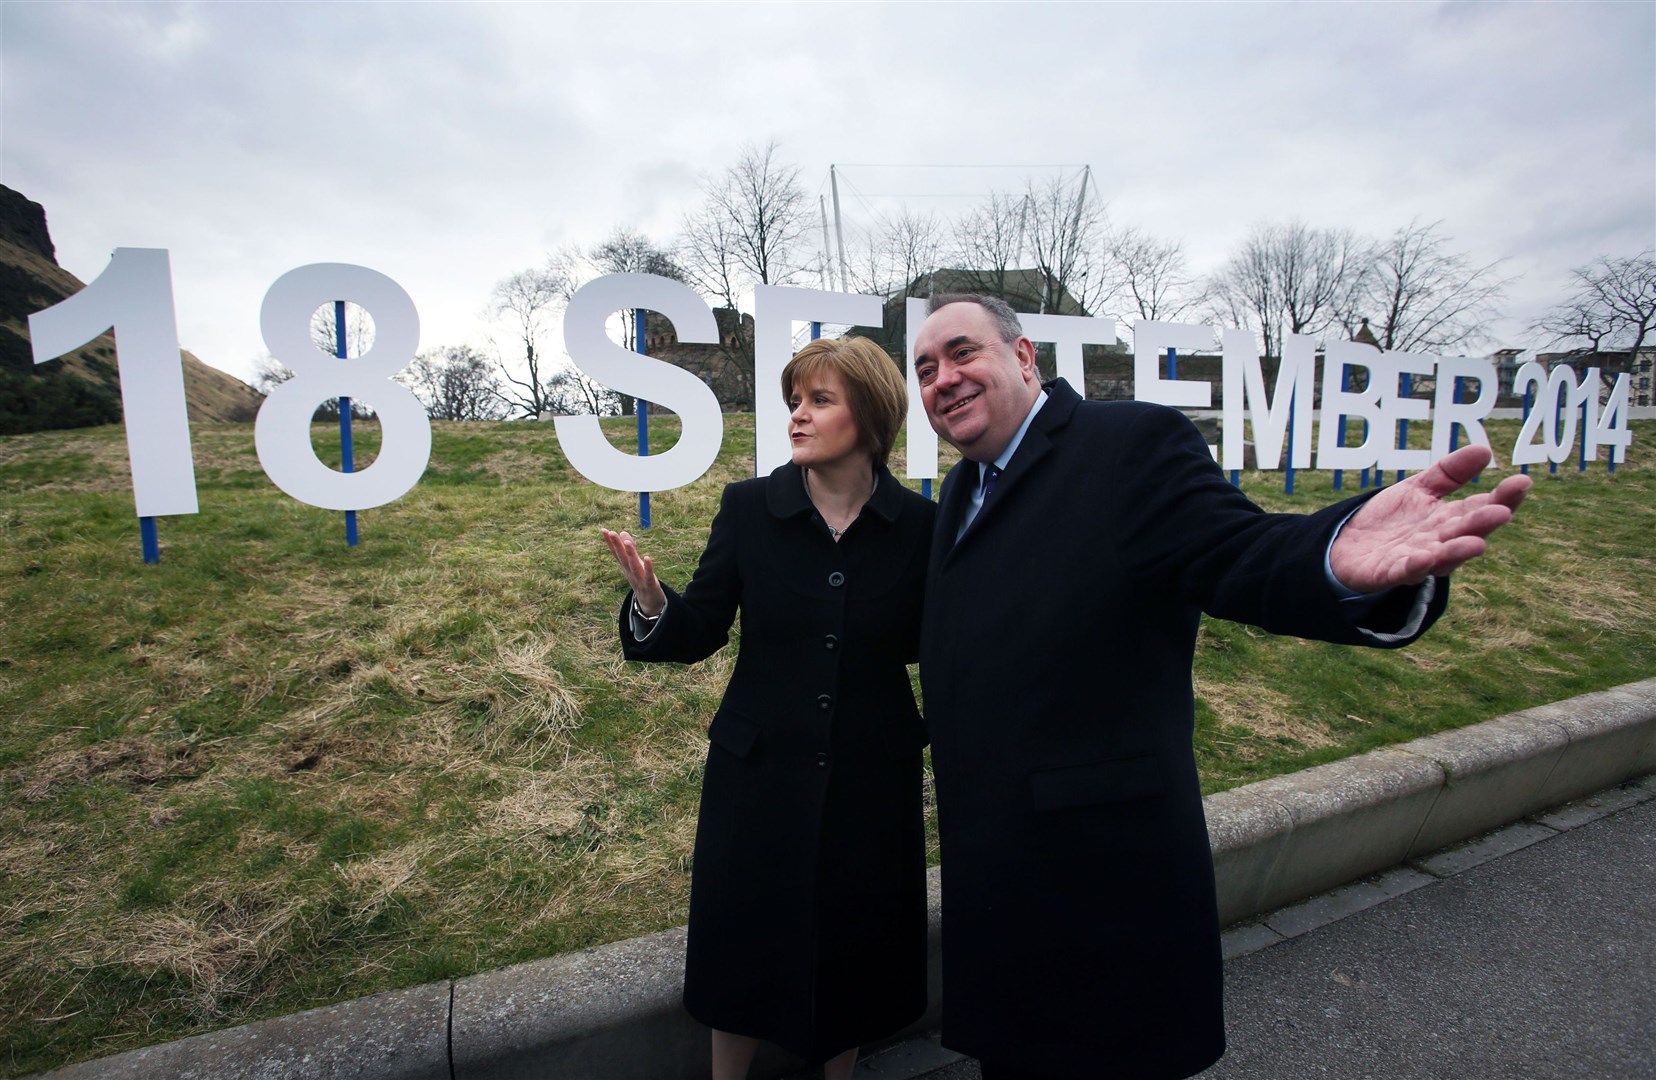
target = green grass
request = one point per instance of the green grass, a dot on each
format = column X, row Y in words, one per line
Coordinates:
column 274, row 772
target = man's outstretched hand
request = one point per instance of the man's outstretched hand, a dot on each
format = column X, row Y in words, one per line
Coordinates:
column 1410, row 531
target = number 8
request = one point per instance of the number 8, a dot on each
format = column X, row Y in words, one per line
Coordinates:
column 282, row 431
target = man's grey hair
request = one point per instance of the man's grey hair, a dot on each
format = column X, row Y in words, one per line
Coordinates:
column 1006, row 320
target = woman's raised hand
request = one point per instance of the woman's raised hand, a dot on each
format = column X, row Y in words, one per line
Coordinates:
column 640, row 572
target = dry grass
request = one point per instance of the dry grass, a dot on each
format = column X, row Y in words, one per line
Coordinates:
column 1266, row 714
column 130, row 762
column 273, row 772
column 92, row 462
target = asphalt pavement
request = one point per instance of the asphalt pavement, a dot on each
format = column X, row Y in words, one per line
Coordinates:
column 1527, row 954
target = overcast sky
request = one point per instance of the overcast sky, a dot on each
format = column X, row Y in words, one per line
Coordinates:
column 448, row 145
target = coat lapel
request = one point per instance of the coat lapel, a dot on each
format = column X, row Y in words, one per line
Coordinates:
column 1036, row 445
column 952, row 502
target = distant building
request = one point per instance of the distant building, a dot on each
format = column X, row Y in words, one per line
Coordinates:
column 1108, row 367
column 1641, row 376
column 1611, row 364
column 726, row 367
column 1507, row 362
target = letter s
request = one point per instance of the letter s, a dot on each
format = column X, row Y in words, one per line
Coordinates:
column 627, row 372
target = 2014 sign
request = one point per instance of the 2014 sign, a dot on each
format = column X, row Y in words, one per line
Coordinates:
column 134, row 296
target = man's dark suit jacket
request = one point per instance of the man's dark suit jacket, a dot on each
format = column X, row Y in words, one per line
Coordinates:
column 1080, row 931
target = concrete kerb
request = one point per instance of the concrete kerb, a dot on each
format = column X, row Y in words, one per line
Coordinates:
column 398, row 1035
column 614, row 1011
column 1294, row 836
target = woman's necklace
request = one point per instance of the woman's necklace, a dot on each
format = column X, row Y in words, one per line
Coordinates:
column 833, row 531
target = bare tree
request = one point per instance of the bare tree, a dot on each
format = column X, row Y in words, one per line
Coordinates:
column 707, row 253
column 1292, row 279
column 324, row 334
column 269, row 373
column 1245, row 292
column 1322, row 271
column 628, row 251
column 456, row 382
column 1151, row 279
column 901, row 249
column 359, row 330
column 571, row 391
column 868, row 267
column 1613, row 304
column 1063, row 233
column 762, row 197
column 525, row 305
column 914, row 245
column 990, row 243
column 745, row 233
column 747, row 228
column 1421, row 297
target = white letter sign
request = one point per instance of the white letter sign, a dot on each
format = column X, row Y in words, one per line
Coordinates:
column 281, row 433
column 134, row 296
column 638, row 376
column 775, row 309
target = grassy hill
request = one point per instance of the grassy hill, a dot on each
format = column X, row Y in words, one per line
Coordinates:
column 273, row 772
column 82, row 388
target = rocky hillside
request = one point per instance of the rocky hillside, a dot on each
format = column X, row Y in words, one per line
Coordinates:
column 82, row 388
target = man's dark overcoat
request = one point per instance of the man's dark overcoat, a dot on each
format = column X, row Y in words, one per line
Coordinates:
column 807, row 895
column 1080, row 930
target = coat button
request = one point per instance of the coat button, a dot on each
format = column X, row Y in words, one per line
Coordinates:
column 822, row 761
column 825, row 702
column 836, row 579
column 830, row 643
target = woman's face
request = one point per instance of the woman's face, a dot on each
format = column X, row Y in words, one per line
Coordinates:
column 822, row 429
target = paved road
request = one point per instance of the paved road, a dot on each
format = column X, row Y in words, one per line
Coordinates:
column 1539, row 963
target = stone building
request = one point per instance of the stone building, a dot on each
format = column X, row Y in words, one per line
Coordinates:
column 726, row 367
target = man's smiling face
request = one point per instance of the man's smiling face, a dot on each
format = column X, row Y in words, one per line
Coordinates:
column 976, row 387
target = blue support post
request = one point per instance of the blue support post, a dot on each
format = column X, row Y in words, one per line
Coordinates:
column 1612, row 457
column 1363, row 481
column 1403, row 425
column 1529, row 403
column 1454, row 429
column 642, row 409
column 151, row 542
column 1558, row 422
column 346, row 451
column 1582, row 463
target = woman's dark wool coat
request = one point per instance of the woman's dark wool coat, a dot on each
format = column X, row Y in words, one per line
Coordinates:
column 807, row 896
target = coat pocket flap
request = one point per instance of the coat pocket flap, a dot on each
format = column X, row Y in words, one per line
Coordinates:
column 1120, row 780
column 733, row 732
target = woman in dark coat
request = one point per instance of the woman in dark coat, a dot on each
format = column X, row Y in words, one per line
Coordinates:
column 807, row 895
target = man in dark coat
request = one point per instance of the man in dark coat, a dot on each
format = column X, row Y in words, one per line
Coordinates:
column 1076, row 548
